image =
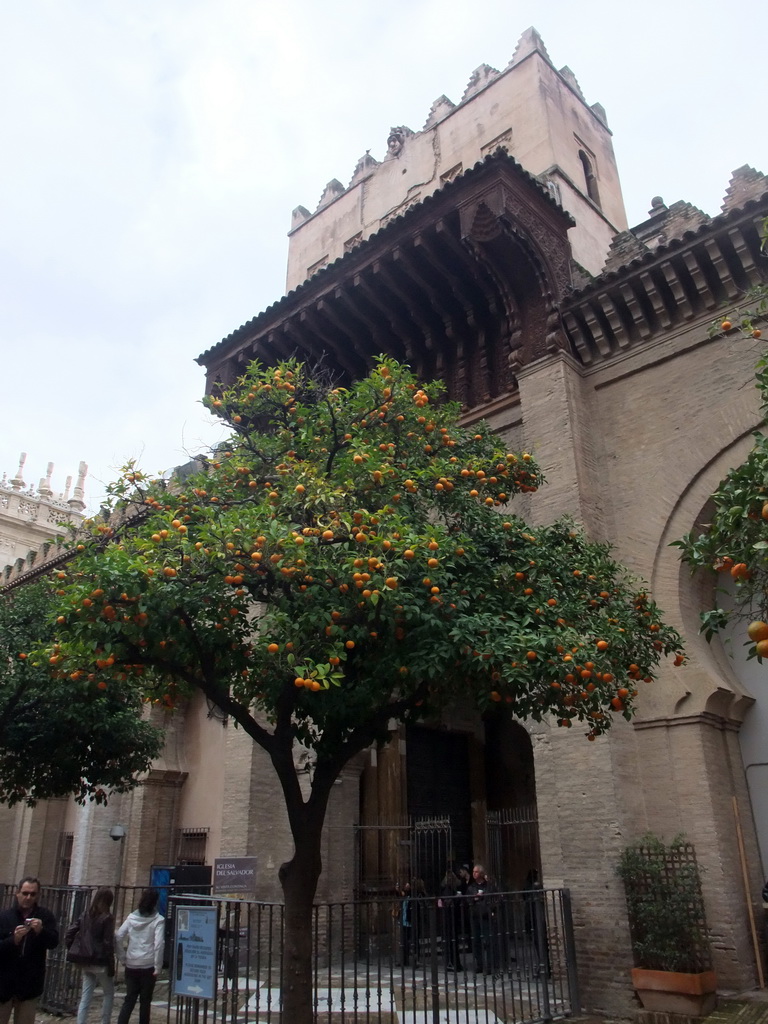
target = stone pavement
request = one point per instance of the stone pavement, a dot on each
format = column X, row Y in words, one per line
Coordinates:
column 734, row 1008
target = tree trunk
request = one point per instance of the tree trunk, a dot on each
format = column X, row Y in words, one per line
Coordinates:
column 299, row 878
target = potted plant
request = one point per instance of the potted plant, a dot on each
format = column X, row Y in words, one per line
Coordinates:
column 673, row 966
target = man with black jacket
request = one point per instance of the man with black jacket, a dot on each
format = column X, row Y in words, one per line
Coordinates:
column 485, row 937
column 27, row 932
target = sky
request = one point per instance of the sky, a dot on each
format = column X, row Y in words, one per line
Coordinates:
column 153, row 151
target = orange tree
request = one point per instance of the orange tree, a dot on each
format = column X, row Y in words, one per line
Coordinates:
column 345, row 559
column 735, row 544
column 56, row 739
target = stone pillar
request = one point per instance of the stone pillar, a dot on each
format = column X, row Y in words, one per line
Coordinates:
column 339, row 852
column 580, row 796
column 152, row 825
column 559, row 423
column 580, row 788
column 31, row 840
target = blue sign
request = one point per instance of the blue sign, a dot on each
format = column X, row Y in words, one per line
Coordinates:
column 194, row 953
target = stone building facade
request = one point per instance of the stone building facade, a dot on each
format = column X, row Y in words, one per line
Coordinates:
column 491, row 249
column 31, row 518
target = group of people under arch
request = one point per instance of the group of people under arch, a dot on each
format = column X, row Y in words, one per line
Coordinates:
column 477, row 926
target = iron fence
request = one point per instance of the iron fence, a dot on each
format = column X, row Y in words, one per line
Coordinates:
column 67, row 902
column 501, row 958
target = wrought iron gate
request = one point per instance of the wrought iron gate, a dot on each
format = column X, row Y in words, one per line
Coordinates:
column 514, row 860
column 389, row 856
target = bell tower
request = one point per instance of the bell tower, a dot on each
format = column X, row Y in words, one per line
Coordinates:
column 531, row 110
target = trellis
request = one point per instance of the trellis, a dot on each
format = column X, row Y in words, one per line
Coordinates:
column 665, row 905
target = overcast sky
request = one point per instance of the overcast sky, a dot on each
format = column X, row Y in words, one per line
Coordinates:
column 152, row 153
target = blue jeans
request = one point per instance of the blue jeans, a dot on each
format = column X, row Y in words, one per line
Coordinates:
column 93, row 976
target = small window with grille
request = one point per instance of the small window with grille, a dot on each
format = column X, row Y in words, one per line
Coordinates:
column 63, row 858
column 190, row 845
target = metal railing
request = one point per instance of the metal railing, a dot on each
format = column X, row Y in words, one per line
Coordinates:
column 506, row 957
column 63, row 980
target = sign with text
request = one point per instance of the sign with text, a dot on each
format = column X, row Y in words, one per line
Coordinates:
column 194, row 954
column 234, row 874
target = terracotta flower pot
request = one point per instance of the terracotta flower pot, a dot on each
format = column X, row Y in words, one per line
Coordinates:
column 676, row 991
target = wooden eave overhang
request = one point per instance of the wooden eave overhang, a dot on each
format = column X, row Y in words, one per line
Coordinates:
column 678, row 282
column 452, row 269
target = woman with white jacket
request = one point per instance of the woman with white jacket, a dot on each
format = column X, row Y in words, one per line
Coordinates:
column 139, row 945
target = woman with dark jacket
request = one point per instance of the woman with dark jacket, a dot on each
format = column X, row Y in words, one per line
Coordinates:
column 91, row 945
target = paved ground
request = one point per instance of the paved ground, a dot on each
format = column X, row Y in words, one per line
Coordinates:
column 734, row 1008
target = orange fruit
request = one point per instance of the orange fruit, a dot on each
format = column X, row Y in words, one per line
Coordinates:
column 762, row 649
column 726, row 325
column 757, row 630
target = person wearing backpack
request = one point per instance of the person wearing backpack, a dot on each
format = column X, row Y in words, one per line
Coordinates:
column 139, row 945
column 91, row 944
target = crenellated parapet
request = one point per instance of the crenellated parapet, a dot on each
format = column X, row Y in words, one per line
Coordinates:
column 533, row 111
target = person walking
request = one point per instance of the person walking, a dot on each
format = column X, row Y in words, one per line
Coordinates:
column 139, row 945
column 27, row 932
column 90, row 943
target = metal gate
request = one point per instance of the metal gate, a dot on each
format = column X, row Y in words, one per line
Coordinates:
column 514, row 860
column 390, row 856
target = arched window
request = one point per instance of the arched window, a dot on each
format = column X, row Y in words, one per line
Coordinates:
column 589, row 178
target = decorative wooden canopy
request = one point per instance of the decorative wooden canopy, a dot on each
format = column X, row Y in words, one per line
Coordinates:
column 464, row 286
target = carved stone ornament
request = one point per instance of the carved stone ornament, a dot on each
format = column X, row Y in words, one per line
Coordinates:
column 396, row 140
